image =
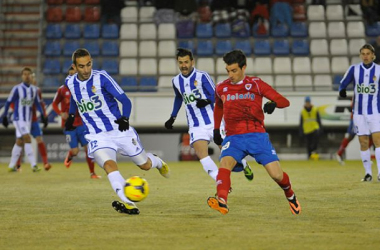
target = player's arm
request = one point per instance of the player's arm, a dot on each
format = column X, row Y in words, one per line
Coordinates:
column 176, row 107
column 348, row 77
column 276, row 100
column 56, row 101
column 218, row 116
column 69, row 124
column 38, row 103
column 43, row 104
column 208, row 87
column 13, row 96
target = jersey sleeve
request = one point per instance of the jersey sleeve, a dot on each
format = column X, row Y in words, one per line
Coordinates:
column 37, row 102
column 57, row 100
column 208, row 87
column 347, row 78
column 43, row 104
column 268, row 92
column 218, row 110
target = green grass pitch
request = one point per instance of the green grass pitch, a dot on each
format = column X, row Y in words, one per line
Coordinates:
column 65, row 209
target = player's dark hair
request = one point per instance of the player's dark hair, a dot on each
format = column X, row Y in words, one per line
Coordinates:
column 181, row 52
column 70, row 68
column 235, row 56
column 367, row 46
column 79, row 53
column 27, row 69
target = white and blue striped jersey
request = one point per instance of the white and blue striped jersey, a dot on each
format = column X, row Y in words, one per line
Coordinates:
column 197, row 85
column 366, row 87
column 23, row 96
column 95, row 100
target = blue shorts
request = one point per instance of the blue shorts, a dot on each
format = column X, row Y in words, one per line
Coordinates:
column 75, row 136
column 256, row 145
column 36, row 129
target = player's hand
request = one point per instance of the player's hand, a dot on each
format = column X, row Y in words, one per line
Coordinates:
column 64, row 115
column 44, row 120
column 123, row 123
column 201, row 103
column 269, row 107
column 5, row 121
column 343, row 93
column 217, row 137
column 169, row 123
column 69, row 122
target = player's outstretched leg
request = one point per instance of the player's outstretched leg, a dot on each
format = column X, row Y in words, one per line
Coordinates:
column 295, row 206
column 223, row 183
column 68, row 159
column 218, row 204
column 158, row 163
column 126, row 208
column 248, row 173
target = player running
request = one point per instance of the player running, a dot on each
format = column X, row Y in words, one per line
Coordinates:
column 95, row 94
column 239, row 100
column 196, row 90
column 366, row 110
column 61, row 105
column 23, row 96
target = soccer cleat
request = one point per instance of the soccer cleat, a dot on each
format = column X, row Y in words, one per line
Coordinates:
column 68, row 160
column 164, row 170
column 295, row 206
column 13, row 169
column 36, row 169
column 367, row 177
column 95, row 176
column 248, row 172
column 47, row 166
column 218, row 204
column 125, row 208
column 339, row 159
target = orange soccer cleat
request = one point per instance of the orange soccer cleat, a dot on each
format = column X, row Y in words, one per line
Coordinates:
column 68, row 160
column 47, row 166
column 295, row 206
column 218, row 204
column 95, row 176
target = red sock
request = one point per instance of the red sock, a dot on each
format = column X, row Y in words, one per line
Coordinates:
column 286, row 186
column 91, row 164
column 223, row 181
column 343, row 146
column 42, row 149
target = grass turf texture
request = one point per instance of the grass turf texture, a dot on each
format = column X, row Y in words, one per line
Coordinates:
column 65, row 209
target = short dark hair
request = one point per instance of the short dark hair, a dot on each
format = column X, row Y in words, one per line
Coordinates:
column 235, row 56
column 79, row 53
column 27, row 69
column 367, row 46
column 70, row 68
column 181, row 52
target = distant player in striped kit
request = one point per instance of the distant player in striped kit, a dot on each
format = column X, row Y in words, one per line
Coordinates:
column 196, row 90
column 366, row 108
column 24, row 96
column 61, row 105
column 95, row 94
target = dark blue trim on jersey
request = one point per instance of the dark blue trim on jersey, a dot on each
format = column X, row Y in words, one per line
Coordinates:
column 208, row 88
column 347, row 78
column 370, row 97
column 177, row 102
column 25, row 96
column 361, row 78
column 99, row 112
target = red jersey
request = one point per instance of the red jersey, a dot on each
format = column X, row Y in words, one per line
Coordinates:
column 62, row 97
column 240, row 105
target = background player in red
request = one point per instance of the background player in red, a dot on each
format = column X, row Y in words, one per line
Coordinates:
column 239, row 100
column 62, row 98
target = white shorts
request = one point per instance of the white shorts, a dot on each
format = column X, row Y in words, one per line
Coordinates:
column 22, row 128
column 205, row 133
column 127, row 143
column 366, row 124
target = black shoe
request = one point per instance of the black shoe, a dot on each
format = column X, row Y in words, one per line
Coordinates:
column 125, row 208
column 367, row 177
column 295, row 206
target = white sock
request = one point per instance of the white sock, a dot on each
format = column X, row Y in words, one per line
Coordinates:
column 156, row 162
column 16, row 152
column 29, row 152
column 377, row 154
column 210, row 167
column 244, row 162
column 366, row 159
column 117, row 182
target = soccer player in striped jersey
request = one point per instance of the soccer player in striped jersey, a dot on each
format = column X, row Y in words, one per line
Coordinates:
column 61, row 105
column 238, row 100
column 196, row 90
column 366, row 109
column 24, row 96
column 95, row 94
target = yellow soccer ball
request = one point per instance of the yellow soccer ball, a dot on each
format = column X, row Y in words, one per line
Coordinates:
column 136, row 188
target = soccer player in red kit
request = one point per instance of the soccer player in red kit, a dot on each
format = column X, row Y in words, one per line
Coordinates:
column 77, row 134
column 239, row 100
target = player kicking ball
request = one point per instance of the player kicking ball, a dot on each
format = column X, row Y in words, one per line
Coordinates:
column 239, row 100
column 95, row 94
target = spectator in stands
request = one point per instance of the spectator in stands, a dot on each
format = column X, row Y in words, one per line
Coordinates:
column 111, row 11
column 376, row 46
column 310, row 128
column 370, row 10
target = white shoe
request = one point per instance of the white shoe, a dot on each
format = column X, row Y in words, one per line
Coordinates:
column 339, row 159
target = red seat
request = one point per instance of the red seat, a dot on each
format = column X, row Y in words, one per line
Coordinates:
column 92, row 14
column 73, row 2
column 55, row 2
column 299, row 13
column 73, row 14
column 92, row 1
column 54, row 14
